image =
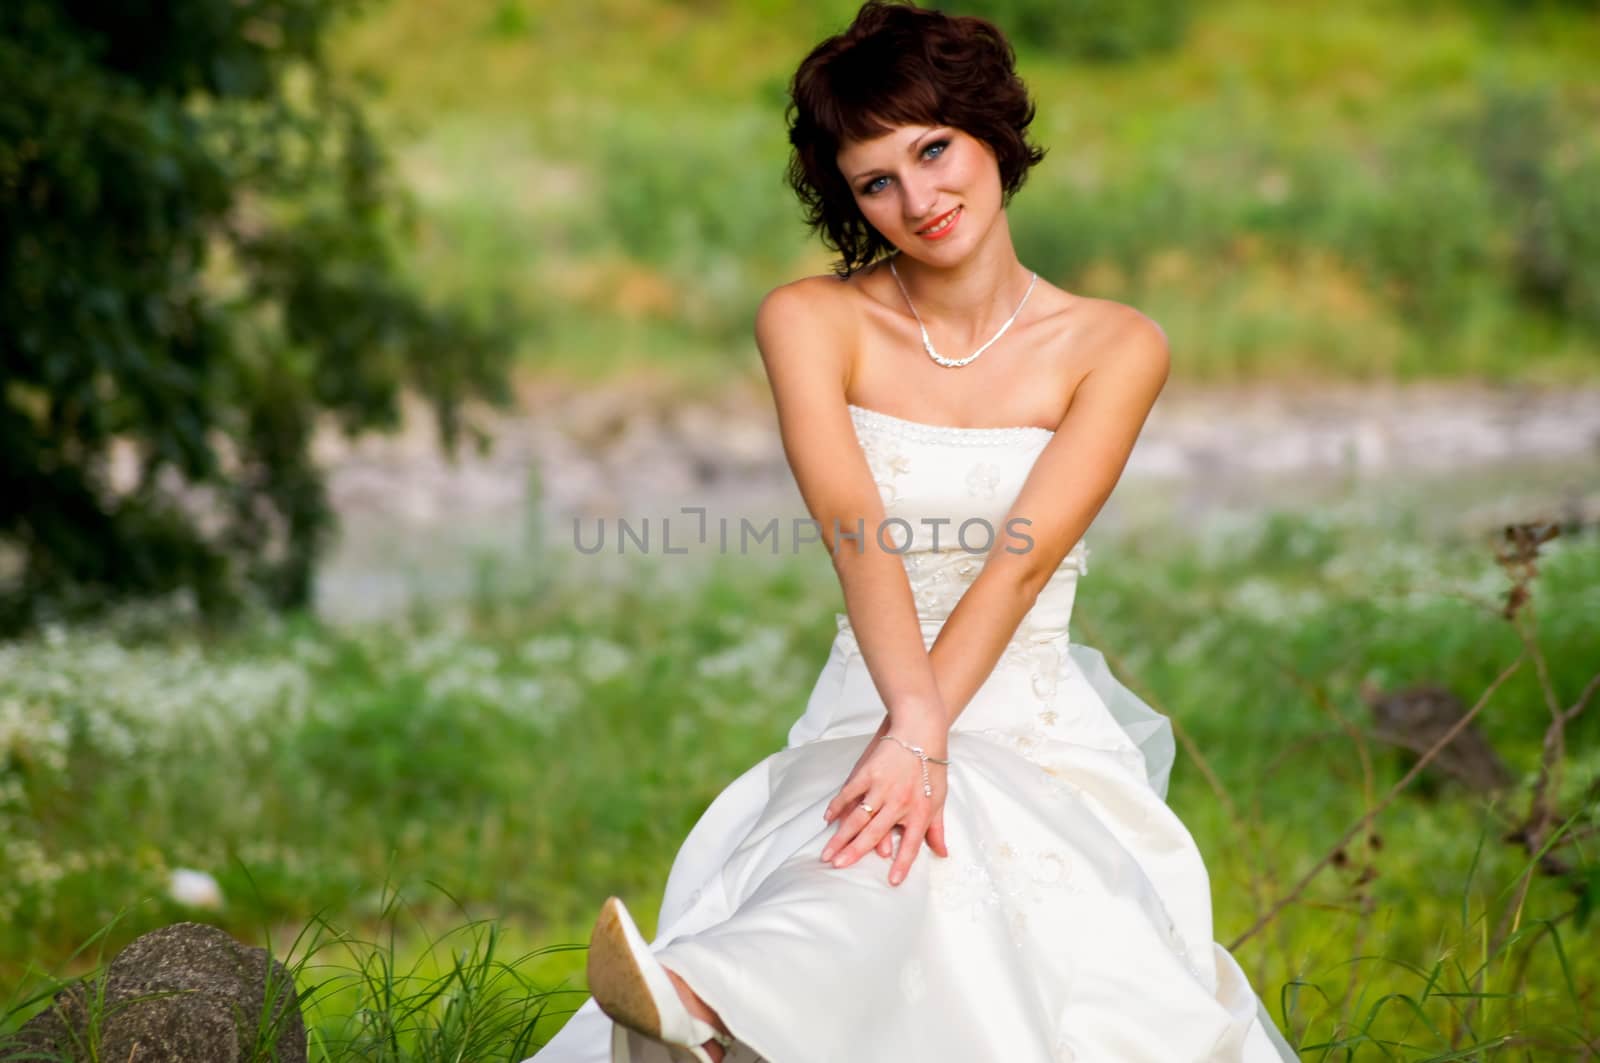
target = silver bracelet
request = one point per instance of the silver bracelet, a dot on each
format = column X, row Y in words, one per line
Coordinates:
column 922, row 755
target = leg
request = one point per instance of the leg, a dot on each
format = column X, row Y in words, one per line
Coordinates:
column 699, row 1010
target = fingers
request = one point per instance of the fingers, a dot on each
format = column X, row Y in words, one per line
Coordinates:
column 900, row 810
column 910, row 844
column 849, row 796
column 861, row 832
column 851, row 824
column 936, row 834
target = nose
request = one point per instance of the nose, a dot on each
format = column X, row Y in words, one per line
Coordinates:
column 920, row 199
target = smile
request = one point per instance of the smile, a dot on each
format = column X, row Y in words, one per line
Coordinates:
column 941, row 227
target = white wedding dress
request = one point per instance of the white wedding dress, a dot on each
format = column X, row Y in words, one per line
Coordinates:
column 1072, row 919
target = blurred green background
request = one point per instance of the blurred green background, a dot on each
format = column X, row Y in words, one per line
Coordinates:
column 1371, row 197
column 1357, row 190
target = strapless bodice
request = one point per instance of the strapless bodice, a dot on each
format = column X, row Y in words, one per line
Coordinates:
column 947, row 493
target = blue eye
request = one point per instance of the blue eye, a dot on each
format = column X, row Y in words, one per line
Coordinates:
column 871, row 186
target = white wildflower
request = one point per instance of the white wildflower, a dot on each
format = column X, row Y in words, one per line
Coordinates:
column 194, row 889
column 603, row 659
column 756, row 657
column 547, row 649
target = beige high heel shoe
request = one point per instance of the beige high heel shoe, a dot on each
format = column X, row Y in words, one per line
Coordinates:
column 632, row 987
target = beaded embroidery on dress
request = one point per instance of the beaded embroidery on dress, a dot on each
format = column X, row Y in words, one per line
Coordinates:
column 1072, row 920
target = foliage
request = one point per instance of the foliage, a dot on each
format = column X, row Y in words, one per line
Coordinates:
column 1545, row 171
column 199, row 257
column 1294, row 193
column 1102, row 30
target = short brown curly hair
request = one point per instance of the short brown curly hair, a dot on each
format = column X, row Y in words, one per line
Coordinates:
column 898, row 64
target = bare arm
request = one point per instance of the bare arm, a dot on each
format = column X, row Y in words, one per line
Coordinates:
column 805, row 350
column 1068, row 485
column 806, row 362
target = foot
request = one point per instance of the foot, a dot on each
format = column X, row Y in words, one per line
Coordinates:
column 699, row 1010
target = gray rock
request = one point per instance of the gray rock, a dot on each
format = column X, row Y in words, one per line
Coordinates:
column 187, row 993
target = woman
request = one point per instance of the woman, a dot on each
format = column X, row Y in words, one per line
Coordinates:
column 964, row 853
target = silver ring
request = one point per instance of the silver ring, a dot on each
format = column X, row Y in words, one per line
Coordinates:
column 869, row 808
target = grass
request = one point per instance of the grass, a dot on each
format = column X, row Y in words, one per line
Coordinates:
column 484, row 774
column 455, row 995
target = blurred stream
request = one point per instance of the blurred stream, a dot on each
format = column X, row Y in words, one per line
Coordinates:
column 418, row 528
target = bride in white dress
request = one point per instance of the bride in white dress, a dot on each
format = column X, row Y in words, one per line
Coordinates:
column 964, row 852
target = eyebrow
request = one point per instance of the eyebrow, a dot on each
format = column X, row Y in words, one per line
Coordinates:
column 915, row 146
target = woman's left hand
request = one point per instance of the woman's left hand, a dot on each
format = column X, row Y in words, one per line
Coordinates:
column 888, row 777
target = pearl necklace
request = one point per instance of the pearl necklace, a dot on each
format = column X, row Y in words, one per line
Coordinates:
column 927, row 343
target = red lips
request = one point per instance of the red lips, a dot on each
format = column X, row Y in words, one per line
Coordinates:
column 938, row 221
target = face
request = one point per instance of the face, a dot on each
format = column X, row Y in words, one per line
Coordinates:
column 932, row 191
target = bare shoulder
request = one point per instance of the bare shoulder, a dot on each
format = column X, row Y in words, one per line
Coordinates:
column 812, row 308
column 1115, row 360
column 818, row 303
column 803, row 332
column 1117, row 339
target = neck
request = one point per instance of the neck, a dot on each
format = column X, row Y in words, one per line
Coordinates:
column 966, row 302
